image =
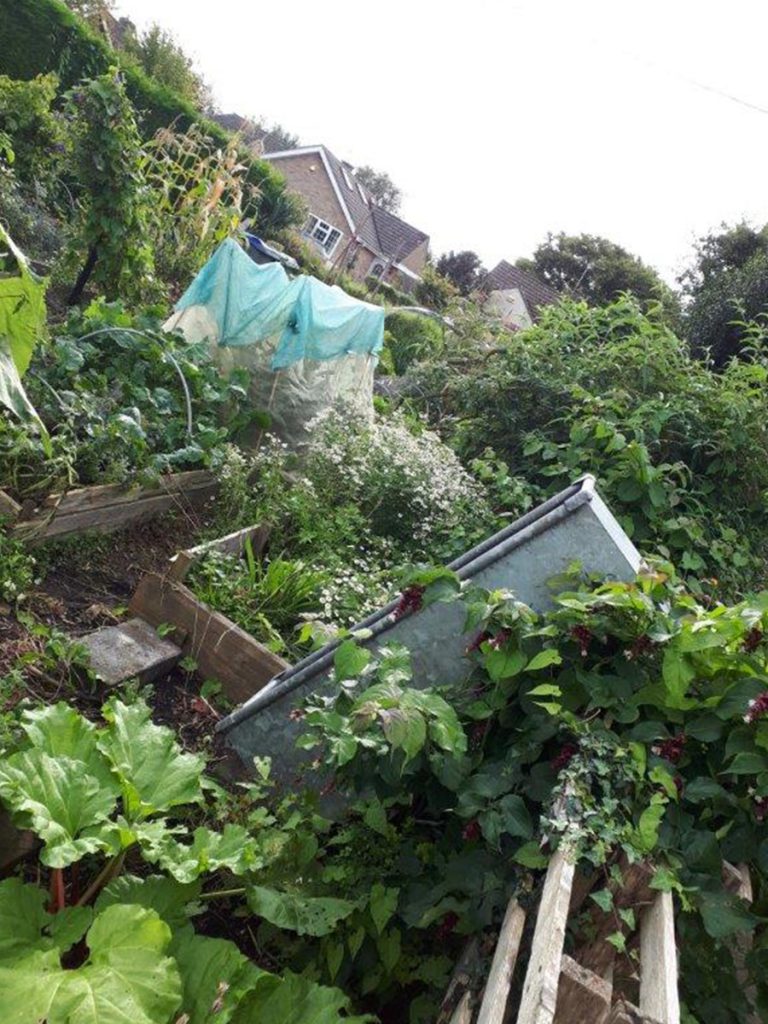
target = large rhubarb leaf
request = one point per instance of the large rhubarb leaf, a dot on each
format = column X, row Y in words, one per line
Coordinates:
column 22, row 303
column 58, row 730
column 127, row 978
column 165, row 896
column 231, row 848
column 296, row 1000
column 216, row 976
column 154, row 773
column 307, row 915
column 60, row 801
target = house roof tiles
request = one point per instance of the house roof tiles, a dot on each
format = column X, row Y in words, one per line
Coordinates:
column 535, row 293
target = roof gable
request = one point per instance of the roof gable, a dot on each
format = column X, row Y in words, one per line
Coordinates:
column 535, row 293
column 384, row 233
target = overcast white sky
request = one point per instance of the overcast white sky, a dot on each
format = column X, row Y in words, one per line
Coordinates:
column 501, row 120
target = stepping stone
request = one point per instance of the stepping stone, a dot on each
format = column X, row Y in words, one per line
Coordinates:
column 129, row 651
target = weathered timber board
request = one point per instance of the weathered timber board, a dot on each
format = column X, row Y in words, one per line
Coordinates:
column 633, row 892
column 232, row 544
column 658, row 962
column 542, row 978
column 9, row 509
column 113, row 508
column 222, row 650
column 493, row 1008
column 582, row 995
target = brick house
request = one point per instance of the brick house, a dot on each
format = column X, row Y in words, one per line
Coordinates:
column 346, row 225
column 515, row 295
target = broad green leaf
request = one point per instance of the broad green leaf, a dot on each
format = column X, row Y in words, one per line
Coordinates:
column 382, row 904
column 504, row 663
column 350, row 660
column 678, row 673
column 509, row 816
column 58, row 730
column 14, row 397
column 215, row 977
column 154, row 773
column 389, row 947
column 57, row 798
column 69, row 925
column 647, row 832
column 704, row 788
column 293, row 999
column 544, row 659
column 405, row 729
column 232, row 848
column 127, row 979
column 531, row 856
column 22, row 918
column 22, row 307
column 167, row 897
column 306, row 915
column 746, row 764
column 724, row 913
column 603, row 898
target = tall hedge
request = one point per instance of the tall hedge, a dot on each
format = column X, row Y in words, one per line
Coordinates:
column 38, row 36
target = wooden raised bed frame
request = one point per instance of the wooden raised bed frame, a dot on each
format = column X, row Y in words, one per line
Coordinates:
column 106, row 508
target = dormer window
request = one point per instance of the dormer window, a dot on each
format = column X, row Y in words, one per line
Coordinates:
column 324, row 234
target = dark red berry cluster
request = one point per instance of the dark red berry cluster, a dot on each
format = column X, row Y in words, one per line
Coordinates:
column 498, row 641
column 477, row 735
column 642, row 645
column 478, row 641
column 410, row 601
column 757, row 708
column 752, row 640
column 583, row 638
column 446, row 926
column 761, row 807
column 471, row 830
column 671, row 749
column 567, row 753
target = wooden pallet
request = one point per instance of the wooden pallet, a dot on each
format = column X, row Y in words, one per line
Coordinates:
column 105, row 508
column 589, row 986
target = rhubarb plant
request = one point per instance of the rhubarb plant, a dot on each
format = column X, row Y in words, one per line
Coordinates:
column 104, row 947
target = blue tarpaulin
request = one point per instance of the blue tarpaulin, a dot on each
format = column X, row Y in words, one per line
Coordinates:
column 251, row 303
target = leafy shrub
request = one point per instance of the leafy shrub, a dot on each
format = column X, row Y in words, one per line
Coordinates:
column 114, row 208
column 122, row 946
column 27, row 119
column 412, row 338
column 110, row 389
column 679, row 452
column 17, row 570
column 629, row 719
column 434, row 291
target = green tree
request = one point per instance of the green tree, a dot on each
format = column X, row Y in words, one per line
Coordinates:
column 386, row 193
column 161, row 57
column 726, row 284
column 598, row 270
column 463, row 269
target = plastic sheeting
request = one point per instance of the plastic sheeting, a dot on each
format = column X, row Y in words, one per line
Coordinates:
column 307, row 346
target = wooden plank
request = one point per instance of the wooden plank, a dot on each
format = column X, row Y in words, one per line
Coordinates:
column 658, row 962
column 109, row 518
column 9, row 509
column 222, row 650
column 582, row 995
column 463, row 1012
column 494, row 1005
column 461, row 979
column 232, row 544
column 104, row 495
column 623, row 1012
column 542, row 978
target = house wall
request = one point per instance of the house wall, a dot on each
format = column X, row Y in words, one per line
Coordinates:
column 306, row 174
column 509, row 305
column 417, row 260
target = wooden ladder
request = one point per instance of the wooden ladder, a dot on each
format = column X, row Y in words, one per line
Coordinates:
column 586, row 988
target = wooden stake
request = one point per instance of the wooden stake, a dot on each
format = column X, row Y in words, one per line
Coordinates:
column 542, row 979
column 659, row 997
column 494, row 1004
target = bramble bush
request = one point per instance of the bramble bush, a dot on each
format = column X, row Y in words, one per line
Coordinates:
column 680, row 452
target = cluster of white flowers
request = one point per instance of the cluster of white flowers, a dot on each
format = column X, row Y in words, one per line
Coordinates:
column 410, row 485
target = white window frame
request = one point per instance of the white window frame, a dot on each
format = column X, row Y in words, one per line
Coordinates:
column 319, row 231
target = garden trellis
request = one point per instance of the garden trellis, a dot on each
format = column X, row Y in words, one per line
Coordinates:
column 308, row 346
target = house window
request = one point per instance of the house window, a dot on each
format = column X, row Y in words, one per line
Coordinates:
column 326, row 236
column 377, row 270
